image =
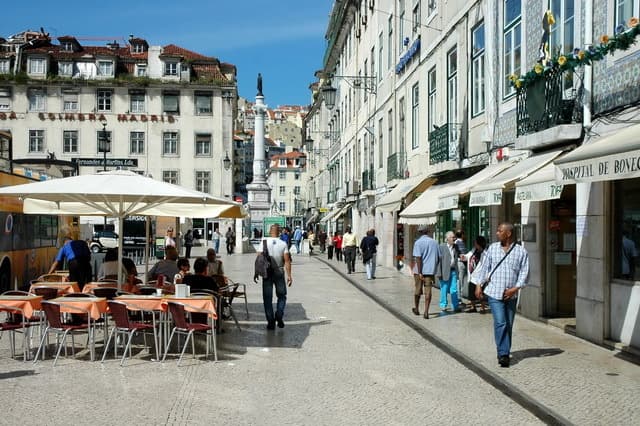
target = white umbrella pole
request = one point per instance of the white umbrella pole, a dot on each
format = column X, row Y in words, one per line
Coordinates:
column 147, row 231
column 120, row 250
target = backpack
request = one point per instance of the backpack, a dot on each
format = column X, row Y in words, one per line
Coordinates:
column 265, row 265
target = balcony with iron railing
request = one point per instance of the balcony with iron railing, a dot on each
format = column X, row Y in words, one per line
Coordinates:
column 551, row 105
column 368, row 179
column 444, row 143
column 396, row 166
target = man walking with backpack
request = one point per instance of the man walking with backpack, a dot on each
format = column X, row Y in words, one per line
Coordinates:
column 278, row 251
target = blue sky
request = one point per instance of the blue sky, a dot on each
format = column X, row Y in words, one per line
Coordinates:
column 282, row 39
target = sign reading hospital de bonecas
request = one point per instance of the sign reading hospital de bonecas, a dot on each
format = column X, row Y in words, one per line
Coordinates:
column 111, row 162
column 622, row 165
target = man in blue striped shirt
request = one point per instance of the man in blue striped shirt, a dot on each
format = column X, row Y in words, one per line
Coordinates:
column 505, row 278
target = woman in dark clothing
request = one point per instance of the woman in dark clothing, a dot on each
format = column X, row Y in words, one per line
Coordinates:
column 473, row 261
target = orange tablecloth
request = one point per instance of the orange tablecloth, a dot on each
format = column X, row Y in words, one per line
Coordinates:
column 95, row 305
column 63, row 287
column 160, row 303
column 89, row 287
column 137, row 302
column 28, row 304
column 198, row 302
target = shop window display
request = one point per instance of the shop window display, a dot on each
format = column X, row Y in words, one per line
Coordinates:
column 626, row 239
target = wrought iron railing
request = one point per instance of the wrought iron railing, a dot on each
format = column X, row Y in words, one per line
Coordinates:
column 368, row 179
column 544, row 103
column 396, row 165
column 444, row 143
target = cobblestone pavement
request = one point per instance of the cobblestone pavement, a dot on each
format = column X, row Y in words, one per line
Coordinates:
column 560, row 377
column 342, row 359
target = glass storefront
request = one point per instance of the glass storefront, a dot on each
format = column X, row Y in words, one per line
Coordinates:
column 626, row 229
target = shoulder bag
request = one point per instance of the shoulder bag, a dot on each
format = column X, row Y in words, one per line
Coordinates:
column 488, row 280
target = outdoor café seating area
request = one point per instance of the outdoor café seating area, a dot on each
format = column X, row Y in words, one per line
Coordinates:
column 55, row 318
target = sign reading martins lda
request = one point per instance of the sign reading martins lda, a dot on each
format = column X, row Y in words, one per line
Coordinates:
column 111, row 162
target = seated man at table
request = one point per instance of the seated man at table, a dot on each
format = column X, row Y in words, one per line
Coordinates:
column 199, row 280
column 109, row 268
column 167, row 266
column 215, row 265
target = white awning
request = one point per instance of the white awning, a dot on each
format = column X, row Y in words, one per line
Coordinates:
column 335, row 213
column 489, row 191
column 539, row 186
column 423, row 209
column 392, row 201
column 450, row 198
column 612, row 157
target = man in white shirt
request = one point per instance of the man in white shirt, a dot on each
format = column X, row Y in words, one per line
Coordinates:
column 506, row 270
column 350, row 249
column 279, row 251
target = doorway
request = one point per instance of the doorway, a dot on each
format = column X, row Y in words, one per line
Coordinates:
column 561, row 255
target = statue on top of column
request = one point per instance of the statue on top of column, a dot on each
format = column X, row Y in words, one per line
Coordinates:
column 259, row 84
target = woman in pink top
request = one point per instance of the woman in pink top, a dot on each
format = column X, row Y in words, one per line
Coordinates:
column 337, row 245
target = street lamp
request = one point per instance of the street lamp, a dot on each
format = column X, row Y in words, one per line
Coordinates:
column 226, row 161
column 366, row 83
column 104, row 143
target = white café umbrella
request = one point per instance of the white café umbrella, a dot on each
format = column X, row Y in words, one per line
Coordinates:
column 119, row 193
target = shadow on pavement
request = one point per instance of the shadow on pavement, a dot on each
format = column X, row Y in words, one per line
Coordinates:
column 234, row 343
column 18, row 373
column 518, row 356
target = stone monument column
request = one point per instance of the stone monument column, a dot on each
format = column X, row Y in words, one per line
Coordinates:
column 259, row 193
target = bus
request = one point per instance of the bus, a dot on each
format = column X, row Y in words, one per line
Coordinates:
column 28, row 243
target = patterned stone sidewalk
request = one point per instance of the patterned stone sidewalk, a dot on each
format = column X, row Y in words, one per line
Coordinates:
column 561, row 378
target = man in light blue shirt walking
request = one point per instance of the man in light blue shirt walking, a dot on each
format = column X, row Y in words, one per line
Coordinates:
column 426, row 256
column 505, row 270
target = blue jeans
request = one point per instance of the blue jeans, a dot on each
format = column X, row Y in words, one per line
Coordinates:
column 449, row 286
column 267, row 297
column 370, row 267
column 504, row 312
column 216, row 246
column 297, row 244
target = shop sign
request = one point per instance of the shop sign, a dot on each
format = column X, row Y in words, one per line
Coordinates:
column 622, row 165
column 491, row 197
column 538, row 192
column 8, row 115
column 404, row 59
column 448, row 202
column 66, row 116
column 111, row 162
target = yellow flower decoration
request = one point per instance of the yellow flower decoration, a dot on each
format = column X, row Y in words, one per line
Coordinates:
column 633, row 21
column 581, row 55
column 562, row 60
column 518, row 84
column 512, row 77
column 550, row 19
column 538, row 69
column 604, row 39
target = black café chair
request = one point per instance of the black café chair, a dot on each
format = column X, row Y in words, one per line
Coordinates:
column 147, row 290
column 107, row 292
